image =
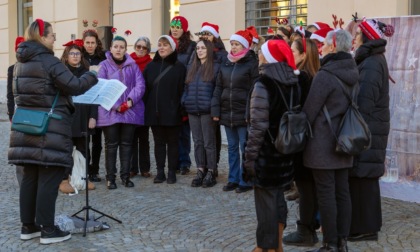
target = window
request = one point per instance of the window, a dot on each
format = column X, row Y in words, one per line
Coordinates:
column 415, row 7
column 25, row 15
column 262, row 13
column 171, row 9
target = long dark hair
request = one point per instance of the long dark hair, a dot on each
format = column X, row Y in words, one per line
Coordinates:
column 65, row 56
column 206, row 68
column 99, row 51
column 184, row 41
column 310, row 63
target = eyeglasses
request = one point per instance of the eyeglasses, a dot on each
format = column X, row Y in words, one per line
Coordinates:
column 74, row 54
column 140, row 47
column 175, row 27
column 206, row 34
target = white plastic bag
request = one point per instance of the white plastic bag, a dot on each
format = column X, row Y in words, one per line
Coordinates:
column 79, row 171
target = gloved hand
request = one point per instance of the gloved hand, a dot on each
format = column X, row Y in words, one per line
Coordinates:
column 124, row 107
column 248, row 171
column 184, row 118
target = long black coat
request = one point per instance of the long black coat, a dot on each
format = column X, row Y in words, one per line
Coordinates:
column 373, row 101
column 163, row 99
column 233, row 84
column 37, row 79
column 326, row 90
column 82, row 112
column 10, row 98
column 266, row 106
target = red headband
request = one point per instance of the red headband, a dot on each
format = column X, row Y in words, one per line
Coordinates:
column 40, row 26
column 304, row 44
column 334, row 39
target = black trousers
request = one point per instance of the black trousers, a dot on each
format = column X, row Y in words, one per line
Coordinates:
column 118, row 136
column 141, row 150
column 96, row 151
column 38, row 193
column 334, row 203
column 271, row 209
column 166, row 138
column 308, row 205
column 218, row 142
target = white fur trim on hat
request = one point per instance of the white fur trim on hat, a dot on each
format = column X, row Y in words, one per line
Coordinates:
column 211, row 30
column 267, row 54
column 240, row 39
column 255, row 40
column 171, row 41
column 317, row 37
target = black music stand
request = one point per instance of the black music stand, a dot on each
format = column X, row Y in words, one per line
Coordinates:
column 87, row 207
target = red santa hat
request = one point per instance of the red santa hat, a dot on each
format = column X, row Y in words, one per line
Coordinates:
column 270, row 31
column 212, row 28
column 18, row 41
column 300, row 30
column 279, row 51
column 321, row 25
column 321, row 34
column 171, row 40
column 76, row 42
column 180, row 21
column 242, row 36
column 373, row 29
column 254, row 33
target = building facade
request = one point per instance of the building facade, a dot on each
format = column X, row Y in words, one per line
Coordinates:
column 151, row 17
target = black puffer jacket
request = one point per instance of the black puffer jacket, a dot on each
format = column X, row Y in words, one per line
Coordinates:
column 184, row 57
column 38, row 77
column 233, row 84
column 198, row 94
column 163, row 99
column 373, row 101
column 266, row 106
column 10, row 98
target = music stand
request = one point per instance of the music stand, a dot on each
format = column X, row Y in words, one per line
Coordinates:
column 87, row 207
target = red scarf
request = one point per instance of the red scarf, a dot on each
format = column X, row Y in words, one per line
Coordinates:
column 141, row 61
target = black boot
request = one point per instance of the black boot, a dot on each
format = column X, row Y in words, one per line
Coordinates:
column 304, row 236
column 326, row 247
column 198, row 180
column 125, row 160
column 171, row 177
column 127, row 182
column 110, row 165
column 209, row 180
column 342, row 245
column 160, row 177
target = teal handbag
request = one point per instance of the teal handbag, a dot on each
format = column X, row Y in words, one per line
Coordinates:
column 33, row 122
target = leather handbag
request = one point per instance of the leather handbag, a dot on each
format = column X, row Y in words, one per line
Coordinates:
column 294, row 128
column 353, row 134
column 34, row 122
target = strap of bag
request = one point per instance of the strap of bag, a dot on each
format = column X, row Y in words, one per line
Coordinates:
column 325, row 110
column 285, row 103
column 162, row 74
column 50, row 114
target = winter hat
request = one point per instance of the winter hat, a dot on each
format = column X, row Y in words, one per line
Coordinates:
column 254, row 33
column 18, row 41
column 181, row 22
column 212, row 28
column 270, row 31
column 279, row 51
column 243, row 37
column 77, row 42
column 171, row 40
column 373, row 29
column 321, row 34
column 300, row 30
column 321, row 25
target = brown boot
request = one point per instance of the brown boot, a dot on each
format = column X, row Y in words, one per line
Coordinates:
column 281, row 228
column 91, row 186
column 65, row 187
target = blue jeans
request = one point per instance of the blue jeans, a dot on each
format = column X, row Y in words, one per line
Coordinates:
column 184, row 145
column 236, row 138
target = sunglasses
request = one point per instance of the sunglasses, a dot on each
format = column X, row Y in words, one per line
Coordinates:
column 139, row 47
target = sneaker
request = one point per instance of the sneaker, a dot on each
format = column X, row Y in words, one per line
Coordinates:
column 65, row 187
column 230, row 186
column 111, row 184
column 198, row 180
column 209, row 180
column 29, row 232
column 127, row 182
column 56, row 235
column 184, row 170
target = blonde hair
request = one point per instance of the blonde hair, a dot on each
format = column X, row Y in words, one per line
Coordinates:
column 32, row 32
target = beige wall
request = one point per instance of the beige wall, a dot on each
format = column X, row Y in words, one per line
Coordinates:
column 6, row 44
column 364, row 8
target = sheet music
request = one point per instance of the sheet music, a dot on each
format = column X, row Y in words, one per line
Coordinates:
column 104, row 93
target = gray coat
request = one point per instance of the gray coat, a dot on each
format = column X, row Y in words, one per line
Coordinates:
column 320, row 150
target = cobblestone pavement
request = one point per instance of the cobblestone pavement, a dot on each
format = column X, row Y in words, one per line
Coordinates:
column 162, row 217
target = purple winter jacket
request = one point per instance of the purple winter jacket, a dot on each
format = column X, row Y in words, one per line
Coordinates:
column 129, row 74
